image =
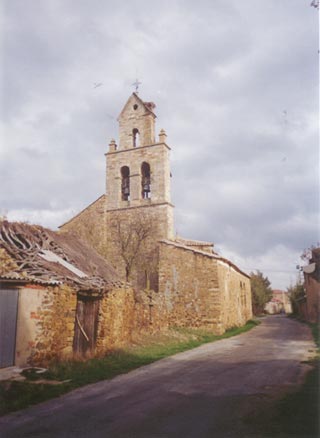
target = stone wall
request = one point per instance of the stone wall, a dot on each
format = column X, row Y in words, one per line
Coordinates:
column 90, row 225
column 45, row 325
column 157, row 156
column 189, row 282
column 200, row 291
column 235, row 289
column 46, row 321
column 116, row 319
column 155, row 220
column 312, row 287
column 196, row 289
column 125, row 313
column 135, row 115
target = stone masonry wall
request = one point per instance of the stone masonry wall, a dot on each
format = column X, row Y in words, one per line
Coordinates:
column 235, row 289
column 46, row 321
column 158, row 219
column 135, row 116
column 89, row 224
column 157, row 156
column 116, row 318
column 125, row 313
column 312, row 287
column 189, row 282
column 201, row 290
column 45, row 325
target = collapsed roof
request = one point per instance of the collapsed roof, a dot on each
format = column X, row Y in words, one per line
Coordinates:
column 43, row 256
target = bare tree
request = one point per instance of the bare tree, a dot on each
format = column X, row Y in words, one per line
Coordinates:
column 134, row 239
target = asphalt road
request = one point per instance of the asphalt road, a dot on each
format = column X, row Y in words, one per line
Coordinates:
column 205, row 392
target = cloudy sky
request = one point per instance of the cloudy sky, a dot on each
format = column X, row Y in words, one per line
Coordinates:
column 236, row 88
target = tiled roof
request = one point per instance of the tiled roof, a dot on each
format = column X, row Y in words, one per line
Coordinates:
column 189, row 242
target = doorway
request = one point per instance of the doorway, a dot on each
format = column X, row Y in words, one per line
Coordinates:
column 8, row 326
column 86, row 326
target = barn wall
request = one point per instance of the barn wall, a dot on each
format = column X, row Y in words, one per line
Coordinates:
column 46, row 321
column 28, row 330
column 45, row 324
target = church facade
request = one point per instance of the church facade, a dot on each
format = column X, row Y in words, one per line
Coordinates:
column 132, row 226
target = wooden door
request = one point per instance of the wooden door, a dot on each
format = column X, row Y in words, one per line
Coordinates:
column 8, row 326
column 86, row 326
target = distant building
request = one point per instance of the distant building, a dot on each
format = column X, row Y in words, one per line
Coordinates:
column 279, row 303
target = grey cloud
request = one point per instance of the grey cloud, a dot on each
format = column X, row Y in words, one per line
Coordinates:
column 222, row 74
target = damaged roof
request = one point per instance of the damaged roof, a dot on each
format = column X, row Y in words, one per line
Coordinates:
column 43, row 256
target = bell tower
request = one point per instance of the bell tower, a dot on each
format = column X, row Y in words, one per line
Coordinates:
column 138, row 174
column 138, row 169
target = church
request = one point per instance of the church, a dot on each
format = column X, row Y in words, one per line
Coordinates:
column 132, row 227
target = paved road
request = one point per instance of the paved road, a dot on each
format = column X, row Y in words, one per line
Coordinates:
column 201, row 393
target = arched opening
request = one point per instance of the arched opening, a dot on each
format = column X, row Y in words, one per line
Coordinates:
column 145, row 181
column 136, row 137
column 125, row 183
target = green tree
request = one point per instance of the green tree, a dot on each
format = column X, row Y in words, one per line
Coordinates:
column 261, row 292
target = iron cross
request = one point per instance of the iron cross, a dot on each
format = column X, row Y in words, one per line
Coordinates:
column 136, row 84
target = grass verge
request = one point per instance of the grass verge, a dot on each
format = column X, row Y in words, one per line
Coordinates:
column 15, row 395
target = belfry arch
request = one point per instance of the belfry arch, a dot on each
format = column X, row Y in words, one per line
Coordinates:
column 145, row 180
column 136, row 137
column 125, row 183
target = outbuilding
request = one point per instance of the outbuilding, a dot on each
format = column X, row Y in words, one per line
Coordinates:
column 58, row 297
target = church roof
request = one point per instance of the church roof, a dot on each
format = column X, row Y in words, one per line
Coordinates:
column 42, row 256
column 190, row 242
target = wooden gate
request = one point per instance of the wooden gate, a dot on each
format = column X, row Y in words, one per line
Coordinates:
column 86, row 326
column 8, row 326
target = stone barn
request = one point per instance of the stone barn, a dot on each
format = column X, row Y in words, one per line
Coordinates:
column 59, row 298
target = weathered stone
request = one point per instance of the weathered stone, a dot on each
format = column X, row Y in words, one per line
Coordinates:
column 194, row 286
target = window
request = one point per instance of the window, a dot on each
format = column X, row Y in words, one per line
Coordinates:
column 145, row 181
column 135, row 136
column 125, row 183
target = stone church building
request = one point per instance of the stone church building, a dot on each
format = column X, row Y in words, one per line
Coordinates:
column 132, row 226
